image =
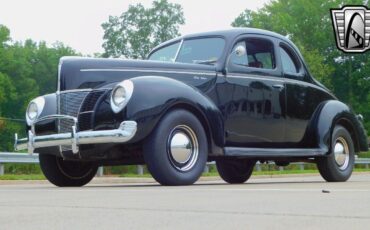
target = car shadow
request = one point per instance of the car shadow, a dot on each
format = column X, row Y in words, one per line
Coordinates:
column 201, row 184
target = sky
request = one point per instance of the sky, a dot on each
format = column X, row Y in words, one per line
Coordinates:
column 77, row 23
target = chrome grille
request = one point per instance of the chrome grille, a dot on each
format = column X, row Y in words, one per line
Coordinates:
column 87, row 109
column 69, row 104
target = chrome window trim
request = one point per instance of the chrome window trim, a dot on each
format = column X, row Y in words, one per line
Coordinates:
column 178, row 50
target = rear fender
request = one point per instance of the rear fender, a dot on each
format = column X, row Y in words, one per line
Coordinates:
column 329, row 114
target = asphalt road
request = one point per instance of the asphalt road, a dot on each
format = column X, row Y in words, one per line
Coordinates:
column 263, row 203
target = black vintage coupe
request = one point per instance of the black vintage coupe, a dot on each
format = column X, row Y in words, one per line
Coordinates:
column 235, row 97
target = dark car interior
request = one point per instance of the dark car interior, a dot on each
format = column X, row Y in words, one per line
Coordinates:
column 260, row 53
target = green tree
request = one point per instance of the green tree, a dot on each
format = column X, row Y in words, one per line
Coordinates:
column 139, row 29
column 45, row 67
column 27, row 69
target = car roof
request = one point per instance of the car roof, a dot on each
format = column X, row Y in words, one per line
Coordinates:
column 229, row 34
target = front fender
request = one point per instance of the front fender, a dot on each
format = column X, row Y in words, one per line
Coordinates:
column 327, row 115
column 153, row 96
column 50, row 108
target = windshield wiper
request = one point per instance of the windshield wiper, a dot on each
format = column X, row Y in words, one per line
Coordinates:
column 206, row 62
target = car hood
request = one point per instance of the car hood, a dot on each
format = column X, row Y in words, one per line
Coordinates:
column 92, row 73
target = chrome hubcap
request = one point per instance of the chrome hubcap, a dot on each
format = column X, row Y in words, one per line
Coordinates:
column 341, row 153
column 183, row 148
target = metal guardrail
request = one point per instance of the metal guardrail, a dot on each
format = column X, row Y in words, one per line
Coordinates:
column 9, row 157
column 25, row 158
column 17, row 158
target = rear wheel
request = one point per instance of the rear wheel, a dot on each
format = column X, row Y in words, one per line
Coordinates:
column 176, row 151
column 66, row 173
column 338, row 165
column 235, row 171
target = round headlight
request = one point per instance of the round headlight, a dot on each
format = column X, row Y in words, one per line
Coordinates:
column 34, row 109
column 121, row 95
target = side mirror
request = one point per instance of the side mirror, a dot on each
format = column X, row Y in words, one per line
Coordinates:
column 240, row 51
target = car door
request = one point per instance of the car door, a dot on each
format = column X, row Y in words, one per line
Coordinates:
column 303, row 95
column 254, row 107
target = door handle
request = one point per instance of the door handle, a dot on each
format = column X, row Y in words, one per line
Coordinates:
column 278, row 86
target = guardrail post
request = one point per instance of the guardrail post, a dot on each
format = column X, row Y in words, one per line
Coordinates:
column 258, row 167
column 100, row 171
column 281, row 168
column 206, row 169
column 140, row 170
column 1, row 169
column 301, row 166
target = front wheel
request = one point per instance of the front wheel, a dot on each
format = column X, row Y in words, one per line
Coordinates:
column 64, row 173
column 235, row 171
column 338, row 165
column 176, row 151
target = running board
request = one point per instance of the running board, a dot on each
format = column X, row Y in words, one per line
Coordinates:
column 269, row 152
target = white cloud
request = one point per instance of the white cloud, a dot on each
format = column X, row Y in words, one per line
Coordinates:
column 77, row 23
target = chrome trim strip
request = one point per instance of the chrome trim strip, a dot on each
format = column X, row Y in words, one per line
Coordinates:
column 59, row 72
column 276, row 79
column 55, row 116
column 148, row 71
column 83, row 90
column 252, row 76
column 58, row 99
column 91, row 111
column 303, row 83
column 124, row 133
column 76, row 90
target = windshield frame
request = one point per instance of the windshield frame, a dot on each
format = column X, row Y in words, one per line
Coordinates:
column 181, row 41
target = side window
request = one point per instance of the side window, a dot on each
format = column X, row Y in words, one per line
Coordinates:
column 290, row 64
column 260, row 54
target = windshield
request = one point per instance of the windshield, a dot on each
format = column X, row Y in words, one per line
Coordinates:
column 201, row 51
column 167, row 53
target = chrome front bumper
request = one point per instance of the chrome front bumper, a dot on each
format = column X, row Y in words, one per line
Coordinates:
column 124, row 133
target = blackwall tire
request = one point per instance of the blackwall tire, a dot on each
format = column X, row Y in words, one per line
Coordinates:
column 338, row 165
column 66, row 173
column 235, row 171
column 176, row 151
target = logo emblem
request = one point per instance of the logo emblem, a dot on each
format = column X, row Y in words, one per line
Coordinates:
column 352, row 28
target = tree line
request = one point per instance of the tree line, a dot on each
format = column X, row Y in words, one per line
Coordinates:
column 29, row 68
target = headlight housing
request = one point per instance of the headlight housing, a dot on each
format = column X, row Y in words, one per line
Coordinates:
column 34, row 109
column 121, row 95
